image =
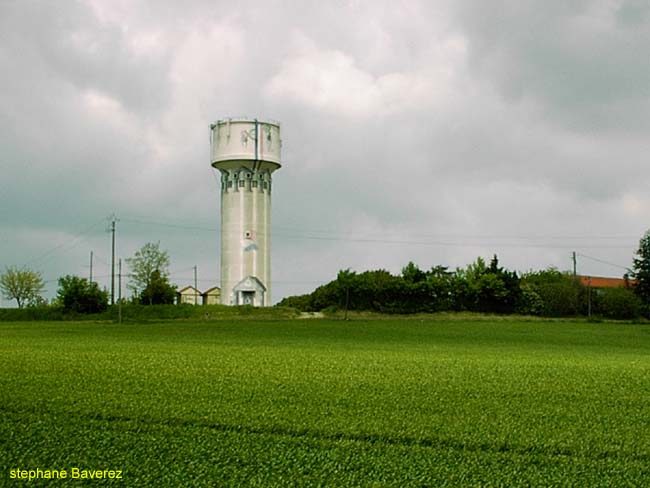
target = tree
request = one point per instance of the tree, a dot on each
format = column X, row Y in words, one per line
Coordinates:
column 618, row 303
column 552, row 293
column 482, row 288
column 412, row 273
column 76, row 294
column 441, row 288
column 158, row 291
column 642, row 269
column 23, row 285
column 149, row 259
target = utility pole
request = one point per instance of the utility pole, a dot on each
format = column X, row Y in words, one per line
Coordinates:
column 575, row 264
column 589, row 302
column 196, row 290
column 91, row 268
column 113, row 260
column 119, row 291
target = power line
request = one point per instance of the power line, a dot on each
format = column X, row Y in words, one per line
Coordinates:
column 605, row 262
column 73, row 240
column 326, row 235
column 166, row 224
column 351, row 238
column 97, row 257
column 452, row 244
column 291, row 230
column 477, row 236
column 178, row 271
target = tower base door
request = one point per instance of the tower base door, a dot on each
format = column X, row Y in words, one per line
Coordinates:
column 249, row 291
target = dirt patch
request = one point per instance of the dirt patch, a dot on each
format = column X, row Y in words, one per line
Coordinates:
column 311, row 315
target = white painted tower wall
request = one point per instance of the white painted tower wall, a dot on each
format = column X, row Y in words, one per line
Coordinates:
column 246, row 152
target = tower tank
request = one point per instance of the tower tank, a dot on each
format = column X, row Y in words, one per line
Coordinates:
column 246, row 152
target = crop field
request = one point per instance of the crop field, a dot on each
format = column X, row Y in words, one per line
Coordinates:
column 395, row 402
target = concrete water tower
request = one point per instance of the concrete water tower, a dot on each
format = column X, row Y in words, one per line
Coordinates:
column 246, row 152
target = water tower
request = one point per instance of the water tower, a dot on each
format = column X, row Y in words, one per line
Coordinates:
column 246, row 152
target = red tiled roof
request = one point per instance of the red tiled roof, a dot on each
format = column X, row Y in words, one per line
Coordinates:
column 602, row 282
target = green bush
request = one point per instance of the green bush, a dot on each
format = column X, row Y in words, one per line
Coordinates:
column 301, row 302
column 560, row 294
column 619, row 303
column 530, row 302
column 79, row 295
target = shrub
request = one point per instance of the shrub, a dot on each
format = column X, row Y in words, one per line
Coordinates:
column 561, row 294
column 158, row 291
column 79, row 295
column 530, row 303
column 619, row 303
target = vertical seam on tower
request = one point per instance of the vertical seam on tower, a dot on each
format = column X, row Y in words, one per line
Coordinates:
column 256, row 231
column 241, row 233
column 266, row 283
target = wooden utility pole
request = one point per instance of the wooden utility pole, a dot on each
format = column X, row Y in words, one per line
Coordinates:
column 113, row 261
column 90, row 280
column 119, row 292
column 196, row 290
column 575, row 264
column 589, row 302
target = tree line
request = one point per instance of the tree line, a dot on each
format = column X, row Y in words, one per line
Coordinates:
column 483, row 287
column 479, row 287
column 148, row 281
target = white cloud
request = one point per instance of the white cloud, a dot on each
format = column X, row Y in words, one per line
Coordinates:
column 331, row 81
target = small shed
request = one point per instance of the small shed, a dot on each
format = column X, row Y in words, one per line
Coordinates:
column 212, row 296
column 189, row 294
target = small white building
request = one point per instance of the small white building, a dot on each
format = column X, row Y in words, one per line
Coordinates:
column 249, row 291
column 190, row 295
column 212, row 296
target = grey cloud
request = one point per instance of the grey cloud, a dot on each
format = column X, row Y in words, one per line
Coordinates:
column 50, row 42
column 508, row 119
column 633, row 13
column 581, row 61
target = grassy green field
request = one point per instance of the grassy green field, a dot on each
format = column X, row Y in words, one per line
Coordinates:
column 419, row 402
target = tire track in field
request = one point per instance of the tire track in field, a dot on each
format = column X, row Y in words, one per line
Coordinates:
column 380, row 439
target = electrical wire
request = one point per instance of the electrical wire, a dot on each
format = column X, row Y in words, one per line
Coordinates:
column 441, row 243
column 73, row 240
column 289, row 233
column 165, row 224
column 604, row 262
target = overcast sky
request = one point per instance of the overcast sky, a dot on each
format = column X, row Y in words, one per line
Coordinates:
column 433, row 132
